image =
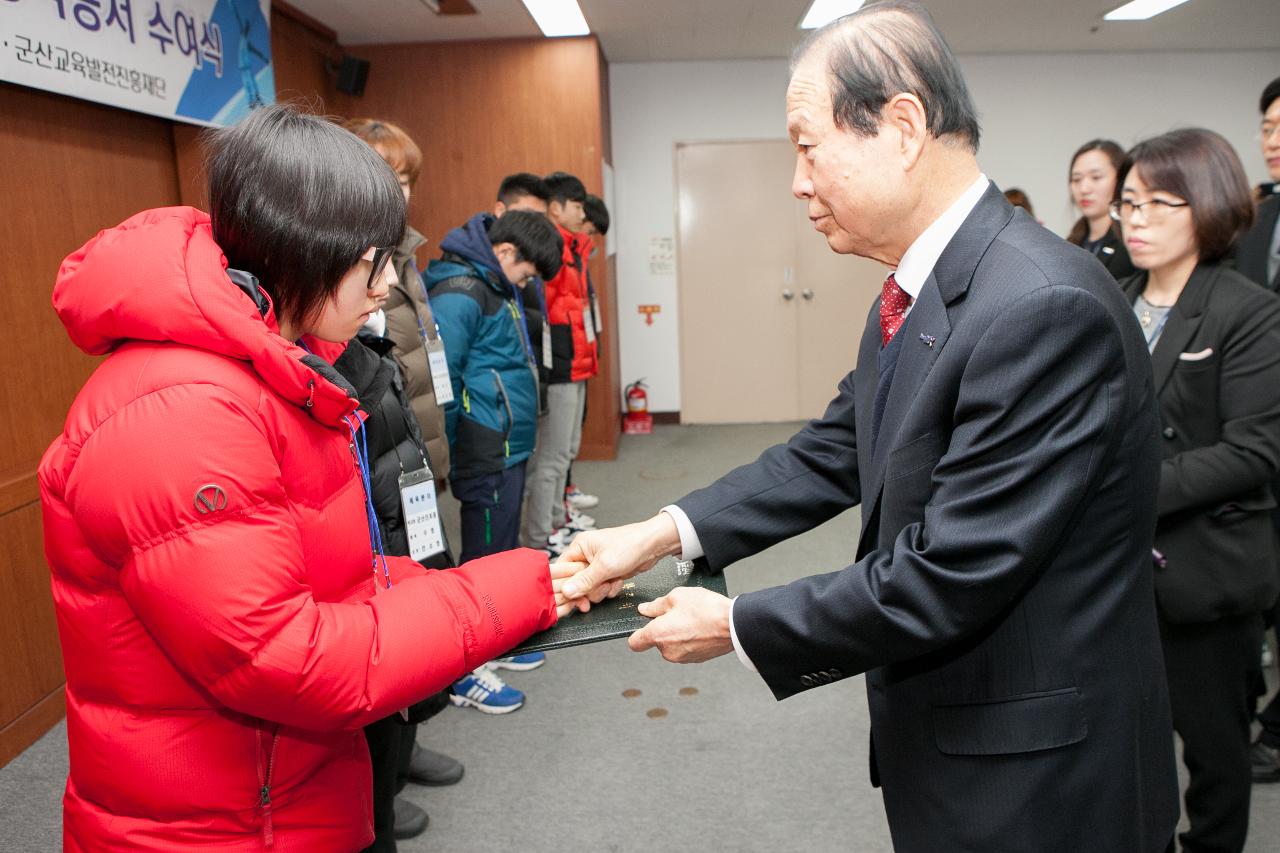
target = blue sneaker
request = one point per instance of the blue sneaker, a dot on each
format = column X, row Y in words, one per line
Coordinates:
column 485, row 691
column 520, row 663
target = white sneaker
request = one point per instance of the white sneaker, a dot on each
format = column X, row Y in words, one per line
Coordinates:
column 578, row 521
column 580, row 499
column 560, row 540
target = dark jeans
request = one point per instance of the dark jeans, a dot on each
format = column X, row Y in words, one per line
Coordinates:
column 1211, row 668
column 390, row 748
column 490, row 511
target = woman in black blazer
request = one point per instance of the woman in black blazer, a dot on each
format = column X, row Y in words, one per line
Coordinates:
column 1092, row 179
column 1215, row 343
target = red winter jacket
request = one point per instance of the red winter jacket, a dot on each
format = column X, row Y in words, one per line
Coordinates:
column 568, row 309
column 205, row 526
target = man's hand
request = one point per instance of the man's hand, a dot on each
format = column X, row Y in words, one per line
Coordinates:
column 617, row 553
column 691, row 625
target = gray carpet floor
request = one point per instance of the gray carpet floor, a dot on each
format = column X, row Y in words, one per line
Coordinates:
column 702, row 759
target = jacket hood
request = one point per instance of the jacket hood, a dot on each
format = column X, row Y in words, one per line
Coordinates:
column 471, row 242
column 159, row 277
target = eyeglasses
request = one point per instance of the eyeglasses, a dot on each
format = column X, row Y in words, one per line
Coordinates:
column 379, row 258
column 1152, row 210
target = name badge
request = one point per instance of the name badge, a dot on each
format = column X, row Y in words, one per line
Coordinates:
column 546, row 345
column 439, row 367
column 595, row 315
column 589, row 326
column 421, row 514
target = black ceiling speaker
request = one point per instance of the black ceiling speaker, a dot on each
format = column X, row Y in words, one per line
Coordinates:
column 352, row 74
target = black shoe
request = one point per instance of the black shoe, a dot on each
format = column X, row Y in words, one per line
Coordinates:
column 427, row 767
column 411, row 821
column 1265, row 762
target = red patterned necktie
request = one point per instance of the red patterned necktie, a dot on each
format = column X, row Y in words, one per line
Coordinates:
column 894, row 302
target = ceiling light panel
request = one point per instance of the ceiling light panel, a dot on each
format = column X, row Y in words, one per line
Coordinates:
column 823, row 12
column 1140, row 10
column 558, row 18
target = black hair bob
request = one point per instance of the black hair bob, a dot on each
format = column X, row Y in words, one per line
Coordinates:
column 535, row 239
column 296, row 201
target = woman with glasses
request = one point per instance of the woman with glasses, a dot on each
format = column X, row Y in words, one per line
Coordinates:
column 1214, row 338
column 228, row 618
column 1092, row 179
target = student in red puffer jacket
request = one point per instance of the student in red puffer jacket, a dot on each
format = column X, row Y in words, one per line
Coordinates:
column 226, row 625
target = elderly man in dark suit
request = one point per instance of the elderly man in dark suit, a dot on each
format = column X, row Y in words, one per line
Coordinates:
column 1000, row 434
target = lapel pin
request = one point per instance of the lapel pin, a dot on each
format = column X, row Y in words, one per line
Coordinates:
column 928, row 340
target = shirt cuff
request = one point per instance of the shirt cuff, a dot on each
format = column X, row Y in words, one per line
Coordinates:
column 690, row 547
column 737, row 647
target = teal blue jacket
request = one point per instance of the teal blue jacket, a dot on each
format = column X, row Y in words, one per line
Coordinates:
column 492, row 422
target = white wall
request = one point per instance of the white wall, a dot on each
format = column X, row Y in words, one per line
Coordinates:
column 1036, row 109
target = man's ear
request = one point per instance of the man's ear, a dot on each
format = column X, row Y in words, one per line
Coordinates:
column 499, row 208
column 906, row 115
column 555, row 210
column 503, row 251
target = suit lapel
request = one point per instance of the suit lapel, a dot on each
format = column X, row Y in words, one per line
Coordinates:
column 864, row 381
column 1184, row 322
column 924, row 334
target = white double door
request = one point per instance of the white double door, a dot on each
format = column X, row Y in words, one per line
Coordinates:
column 770, row 317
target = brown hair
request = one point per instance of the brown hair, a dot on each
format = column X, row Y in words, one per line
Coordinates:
column 1202, row 168
column 1018, row 198
column 1116, row 155
column 389, row 140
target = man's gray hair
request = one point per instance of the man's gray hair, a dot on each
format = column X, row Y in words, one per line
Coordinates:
column 887, row 48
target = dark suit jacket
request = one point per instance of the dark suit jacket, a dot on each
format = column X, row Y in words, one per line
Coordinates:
column 1001, row 603
column 1217, row 379
column 1251, row 253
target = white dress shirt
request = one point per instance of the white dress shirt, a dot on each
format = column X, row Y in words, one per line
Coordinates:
column 913, row 271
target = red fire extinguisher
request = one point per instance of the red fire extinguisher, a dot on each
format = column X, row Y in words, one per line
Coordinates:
column 638, row 420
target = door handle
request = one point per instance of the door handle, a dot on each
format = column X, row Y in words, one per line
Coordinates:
column 788, row 294
column 807, row 294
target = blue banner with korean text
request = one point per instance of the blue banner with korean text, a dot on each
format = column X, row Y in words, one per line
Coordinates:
column 200, row 61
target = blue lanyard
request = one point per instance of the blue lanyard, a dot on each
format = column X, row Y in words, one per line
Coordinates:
column 361, row 452
column 371, row 515
column 426, row 299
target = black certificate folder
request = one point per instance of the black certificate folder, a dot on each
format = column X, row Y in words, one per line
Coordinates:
column 618, row 617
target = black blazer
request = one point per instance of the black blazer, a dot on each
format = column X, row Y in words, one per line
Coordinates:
column 1114, row 256
column 1001, row 600
column 1217, row 379
column 1251, row 252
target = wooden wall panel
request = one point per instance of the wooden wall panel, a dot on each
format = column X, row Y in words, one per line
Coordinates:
column 69, row 168
column 299, row 48
column 482, row 110
column 604, row 394
column 32, row 667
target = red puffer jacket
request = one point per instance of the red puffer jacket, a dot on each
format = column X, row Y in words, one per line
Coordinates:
column 204, row 521
column 568, row 309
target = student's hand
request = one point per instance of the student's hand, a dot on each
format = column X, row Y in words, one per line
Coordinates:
column 561, row 572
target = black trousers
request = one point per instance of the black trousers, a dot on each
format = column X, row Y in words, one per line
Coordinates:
column 490, row 511
column 1211, row 668
column 390, row 748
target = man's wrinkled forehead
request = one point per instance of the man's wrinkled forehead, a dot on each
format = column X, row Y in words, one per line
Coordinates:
column 809, row 92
